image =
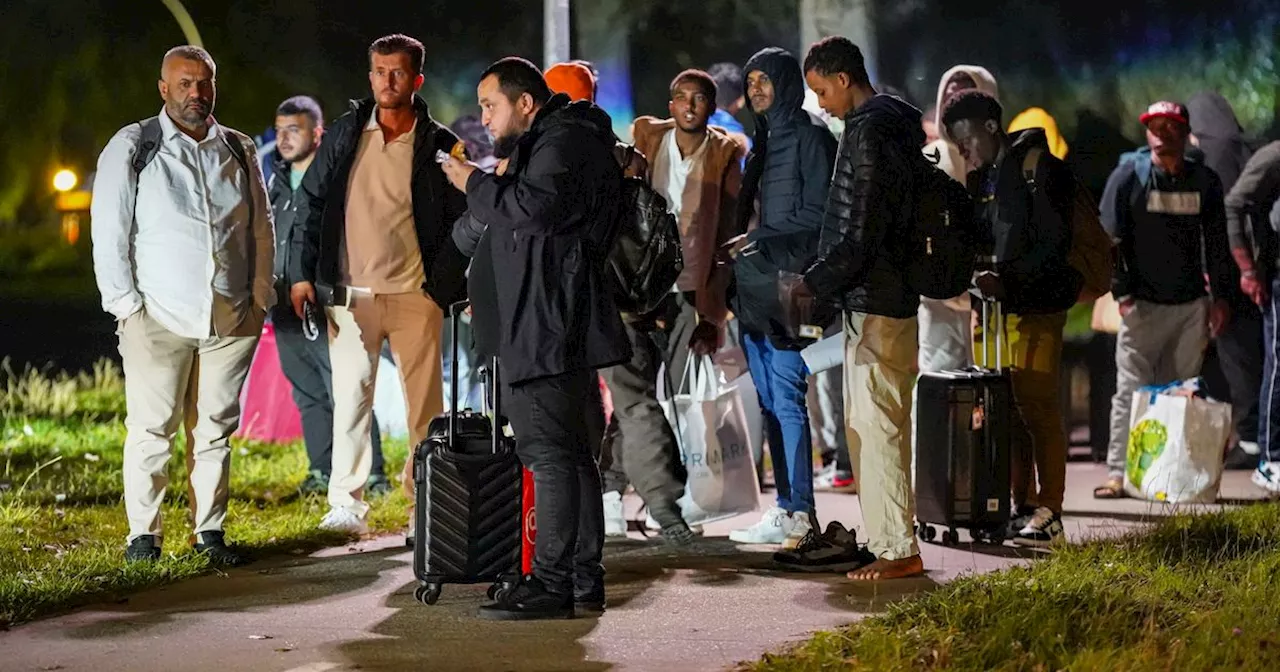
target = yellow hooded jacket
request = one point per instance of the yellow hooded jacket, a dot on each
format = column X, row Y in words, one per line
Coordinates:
column 1036, row 117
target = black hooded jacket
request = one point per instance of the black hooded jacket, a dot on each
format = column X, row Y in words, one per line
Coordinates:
column 789, row 168
column 321, row 206
column 1029, row 231
column 551, row 219
column 1219, row 135
column 861, row 262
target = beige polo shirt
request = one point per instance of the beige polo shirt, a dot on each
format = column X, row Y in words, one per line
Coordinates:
column 380, row 249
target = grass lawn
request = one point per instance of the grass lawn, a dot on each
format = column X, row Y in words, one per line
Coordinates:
column 1193, row 593
column 62, row 524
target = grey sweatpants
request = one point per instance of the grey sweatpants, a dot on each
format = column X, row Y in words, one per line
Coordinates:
column 1157, row 344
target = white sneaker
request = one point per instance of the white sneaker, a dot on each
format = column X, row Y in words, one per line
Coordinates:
column 772, row 529
column 1267, row 477
column 343, row 520
column 801, row 524
column 615, row 523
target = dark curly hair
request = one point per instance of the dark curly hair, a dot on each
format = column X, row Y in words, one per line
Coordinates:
column 837, row 54
column 971, row 104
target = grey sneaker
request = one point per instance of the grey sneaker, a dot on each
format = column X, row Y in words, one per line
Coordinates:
column 316, row 483
column 835, row 550
column 678, row 535
column 378, row 485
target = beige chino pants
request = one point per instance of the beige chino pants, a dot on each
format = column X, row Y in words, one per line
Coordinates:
column 411, row 321
column 170, row 379
column 880, row 374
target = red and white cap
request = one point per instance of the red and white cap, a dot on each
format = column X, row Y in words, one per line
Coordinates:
column 1168, row 110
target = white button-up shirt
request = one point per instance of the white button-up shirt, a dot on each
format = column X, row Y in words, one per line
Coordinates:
column 197, row 247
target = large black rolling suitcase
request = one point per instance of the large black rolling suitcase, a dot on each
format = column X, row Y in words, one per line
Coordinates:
column 963, row 428
column 468, row 517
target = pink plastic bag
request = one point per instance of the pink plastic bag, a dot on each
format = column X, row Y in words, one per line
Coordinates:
column 267, row 411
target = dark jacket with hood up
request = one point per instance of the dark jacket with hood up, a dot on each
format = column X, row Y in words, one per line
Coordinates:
column 861, row 262
column 550, row 220
column 321, row 206
column 1029, row 232
column 1219, row 136
column 789, row 168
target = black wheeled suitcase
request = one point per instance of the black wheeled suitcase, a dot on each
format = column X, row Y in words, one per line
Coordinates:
column 468, row 517
column 963, row 426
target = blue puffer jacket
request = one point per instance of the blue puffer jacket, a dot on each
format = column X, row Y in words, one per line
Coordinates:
column 790, row 169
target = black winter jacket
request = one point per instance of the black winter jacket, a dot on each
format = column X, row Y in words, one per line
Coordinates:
column 322, row 204
column 789, row 168
column 550, row 219
column 861, row 260
column 1029, row 234
column 280, row 191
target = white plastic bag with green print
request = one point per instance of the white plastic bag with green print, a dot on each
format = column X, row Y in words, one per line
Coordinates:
column 1176, row 445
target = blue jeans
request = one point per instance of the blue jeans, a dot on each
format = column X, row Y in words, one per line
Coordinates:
column 781, row 380
column 1269, row 401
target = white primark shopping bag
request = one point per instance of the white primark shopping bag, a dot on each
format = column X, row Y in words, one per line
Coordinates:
column 715, row 443
column 1176, row 445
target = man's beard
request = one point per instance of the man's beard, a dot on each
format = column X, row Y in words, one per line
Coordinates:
column 504, row 146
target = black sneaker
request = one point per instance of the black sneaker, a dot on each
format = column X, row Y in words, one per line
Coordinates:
column 835, row 550
column 1021, row 516
column 145, row 548
column 316, row 483
column 214, row 546
column 589, row 601
column 378, row 485
column 1044, row 529
column 529, row 601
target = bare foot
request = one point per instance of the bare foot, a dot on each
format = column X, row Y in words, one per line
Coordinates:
column 883, row 569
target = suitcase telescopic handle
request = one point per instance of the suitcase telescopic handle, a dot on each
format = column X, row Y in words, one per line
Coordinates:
column 996, row 312
column 455, row 314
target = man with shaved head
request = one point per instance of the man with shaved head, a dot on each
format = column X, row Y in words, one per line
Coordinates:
column 183, row 251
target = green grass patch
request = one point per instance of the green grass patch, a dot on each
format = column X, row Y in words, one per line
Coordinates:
column 1191, row 593
column 62, row 522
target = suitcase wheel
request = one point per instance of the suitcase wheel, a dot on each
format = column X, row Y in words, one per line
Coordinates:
column 927, row 532
column 427, row 593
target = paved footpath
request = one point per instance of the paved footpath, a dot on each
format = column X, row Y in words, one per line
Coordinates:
column 353, row 608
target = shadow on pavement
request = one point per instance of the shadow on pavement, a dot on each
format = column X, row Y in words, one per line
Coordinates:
column 450, row 636
column 265, row 584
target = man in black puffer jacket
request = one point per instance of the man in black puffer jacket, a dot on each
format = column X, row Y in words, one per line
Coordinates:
column 788, row 170
column 861, row 266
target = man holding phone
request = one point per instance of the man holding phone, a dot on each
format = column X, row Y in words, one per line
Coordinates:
column 372, row 246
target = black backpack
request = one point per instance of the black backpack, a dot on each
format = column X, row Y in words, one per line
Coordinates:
column 646, row 256
column 941, row 245
column 149, row 143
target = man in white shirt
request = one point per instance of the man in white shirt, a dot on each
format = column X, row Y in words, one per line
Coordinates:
column 371, row 243
column 697, row 168
column 183, row 251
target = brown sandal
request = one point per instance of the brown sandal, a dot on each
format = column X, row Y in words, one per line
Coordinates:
column 1112, row 489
